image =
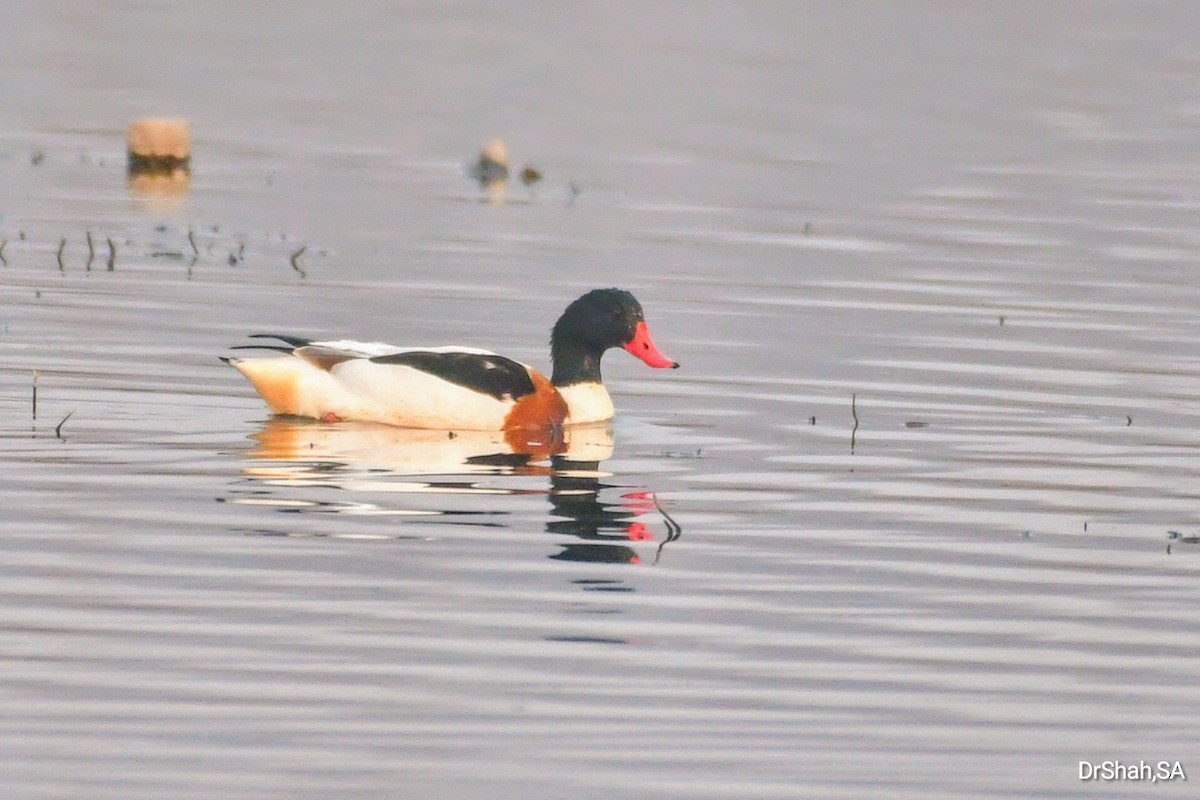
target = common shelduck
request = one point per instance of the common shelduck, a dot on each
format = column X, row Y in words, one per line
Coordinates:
column 461, row 388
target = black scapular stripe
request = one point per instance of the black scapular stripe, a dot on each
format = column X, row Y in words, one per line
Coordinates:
column 497, row 376
column 294, row 341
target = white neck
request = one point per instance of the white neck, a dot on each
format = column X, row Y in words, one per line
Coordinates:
column 587, row 402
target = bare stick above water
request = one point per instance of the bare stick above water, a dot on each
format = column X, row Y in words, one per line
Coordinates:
column 192, row 241
column 35, row 380
column 3, row 245
column 91, row 252
column 58, row 427
column 296, row 257
column 112, row 254
column 853, row 413
column 61, row 246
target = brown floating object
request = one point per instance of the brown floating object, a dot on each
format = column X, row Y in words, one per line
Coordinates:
column 530, row 175
column 160, row 154
column 159, row 144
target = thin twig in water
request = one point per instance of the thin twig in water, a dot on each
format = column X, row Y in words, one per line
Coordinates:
column 192, row 242
column 91, row 252
column 3, row 245
column 112, row 254
column 674, row 529
column 61, row 246
column 58, row 427
column 853, row 413
column 35, row 380
column 296, row 257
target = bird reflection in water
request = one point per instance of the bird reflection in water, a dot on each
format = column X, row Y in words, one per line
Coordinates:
column 602, row 530
column 296, row 463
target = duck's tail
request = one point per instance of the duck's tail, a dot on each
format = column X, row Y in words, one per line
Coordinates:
column 276, row 379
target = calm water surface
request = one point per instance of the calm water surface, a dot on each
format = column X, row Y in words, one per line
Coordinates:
column 918, row 518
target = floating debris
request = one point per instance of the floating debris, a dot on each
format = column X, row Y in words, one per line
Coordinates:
column 159, row 144
column 491, row 171
column 697, row 453
column 492, row 165
column 160, row 158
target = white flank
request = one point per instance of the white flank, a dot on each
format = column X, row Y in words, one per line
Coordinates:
column 400, row 395
column 392, row 394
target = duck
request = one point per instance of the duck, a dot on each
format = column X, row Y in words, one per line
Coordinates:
column 456, row 388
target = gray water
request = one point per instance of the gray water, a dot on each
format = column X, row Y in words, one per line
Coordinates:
column 918, row 517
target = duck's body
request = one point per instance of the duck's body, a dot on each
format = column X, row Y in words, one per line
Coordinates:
column 456, row 387
column 441, row 388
